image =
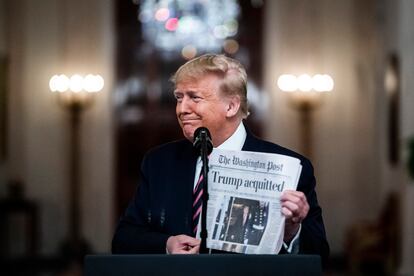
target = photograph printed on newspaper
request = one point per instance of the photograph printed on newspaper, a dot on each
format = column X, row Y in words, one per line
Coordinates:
column 244, row 209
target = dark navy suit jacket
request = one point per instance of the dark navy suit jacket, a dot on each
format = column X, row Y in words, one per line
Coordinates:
column 162, row 204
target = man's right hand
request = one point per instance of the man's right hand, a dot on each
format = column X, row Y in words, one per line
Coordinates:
column 183, row 244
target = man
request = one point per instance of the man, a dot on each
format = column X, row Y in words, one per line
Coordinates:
column 211, row 92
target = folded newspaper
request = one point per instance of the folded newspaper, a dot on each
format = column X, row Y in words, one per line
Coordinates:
column 244, row 209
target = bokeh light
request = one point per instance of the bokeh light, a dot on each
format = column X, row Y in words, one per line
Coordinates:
column 171, row 24
column 189, row 52
column 231, row 46
column 162, row 14
column 305, row 83
column 76, row 83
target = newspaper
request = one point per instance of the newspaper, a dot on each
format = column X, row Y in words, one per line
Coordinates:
column 244, row 209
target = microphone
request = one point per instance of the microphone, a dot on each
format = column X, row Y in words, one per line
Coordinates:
column 202, row 141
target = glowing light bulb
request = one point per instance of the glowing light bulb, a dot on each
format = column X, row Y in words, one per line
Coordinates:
column 76, row 83
column 99, row 83
column 287, row 83
column 329, row 83
column 53, row 83
column 62, row 83
column 305, row 83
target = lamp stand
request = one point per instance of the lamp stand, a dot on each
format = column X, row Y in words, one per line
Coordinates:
column 75, row 247
column 306, row 133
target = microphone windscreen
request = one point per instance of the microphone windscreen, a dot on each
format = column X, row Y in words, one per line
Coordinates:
column 202, row 135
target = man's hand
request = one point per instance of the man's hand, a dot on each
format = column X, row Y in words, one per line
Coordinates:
column 183, row 244
column 295, row 208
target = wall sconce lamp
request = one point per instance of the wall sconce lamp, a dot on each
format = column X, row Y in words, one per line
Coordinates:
column 75, row 94
column 305, row 95
column 76, row 91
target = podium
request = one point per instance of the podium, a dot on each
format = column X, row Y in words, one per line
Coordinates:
column 203, row 264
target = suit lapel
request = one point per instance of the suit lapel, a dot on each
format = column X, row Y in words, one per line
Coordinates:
column 251, row 142
column 186, row 183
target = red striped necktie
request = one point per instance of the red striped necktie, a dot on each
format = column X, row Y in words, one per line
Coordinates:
column 197, row 202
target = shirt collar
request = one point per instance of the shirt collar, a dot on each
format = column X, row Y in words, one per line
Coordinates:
column 236, row 140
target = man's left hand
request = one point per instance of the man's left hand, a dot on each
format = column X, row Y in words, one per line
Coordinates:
column 295, row 208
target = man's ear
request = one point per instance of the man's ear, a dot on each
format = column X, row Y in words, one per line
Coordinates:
column 233, row 106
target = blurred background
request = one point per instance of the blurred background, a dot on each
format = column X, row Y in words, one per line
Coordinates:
column 84, row 93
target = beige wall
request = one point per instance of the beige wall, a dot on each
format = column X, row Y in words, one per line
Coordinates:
column 405, row 33
column 344, row 39
column 406, row 48
column 3, row 51
column 46, row 38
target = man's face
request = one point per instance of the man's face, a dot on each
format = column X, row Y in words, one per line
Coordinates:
column 200, row 103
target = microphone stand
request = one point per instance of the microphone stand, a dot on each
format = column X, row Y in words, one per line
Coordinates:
column 203, row 232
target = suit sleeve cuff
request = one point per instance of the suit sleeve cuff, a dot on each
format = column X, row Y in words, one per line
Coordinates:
column 293, row 247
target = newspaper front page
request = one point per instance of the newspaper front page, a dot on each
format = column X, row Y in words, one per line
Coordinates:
column 244, row 209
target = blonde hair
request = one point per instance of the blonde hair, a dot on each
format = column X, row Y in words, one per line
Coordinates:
column 232, row 73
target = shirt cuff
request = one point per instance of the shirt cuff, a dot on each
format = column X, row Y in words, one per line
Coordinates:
column 293, row 247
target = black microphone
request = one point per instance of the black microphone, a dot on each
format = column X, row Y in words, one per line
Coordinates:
column 202, row 140
column 202, row 143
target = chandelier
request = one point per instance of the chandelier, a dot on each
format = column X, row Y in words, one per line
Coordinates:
column 190, row 26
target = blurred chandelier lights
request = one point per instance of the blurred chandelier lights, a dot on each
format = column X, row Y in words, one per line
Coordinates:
column 189, row 26
column 305, row 83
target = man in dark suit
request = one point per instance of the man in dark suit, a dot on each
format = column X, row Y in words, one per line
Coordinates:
column 211, row 91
